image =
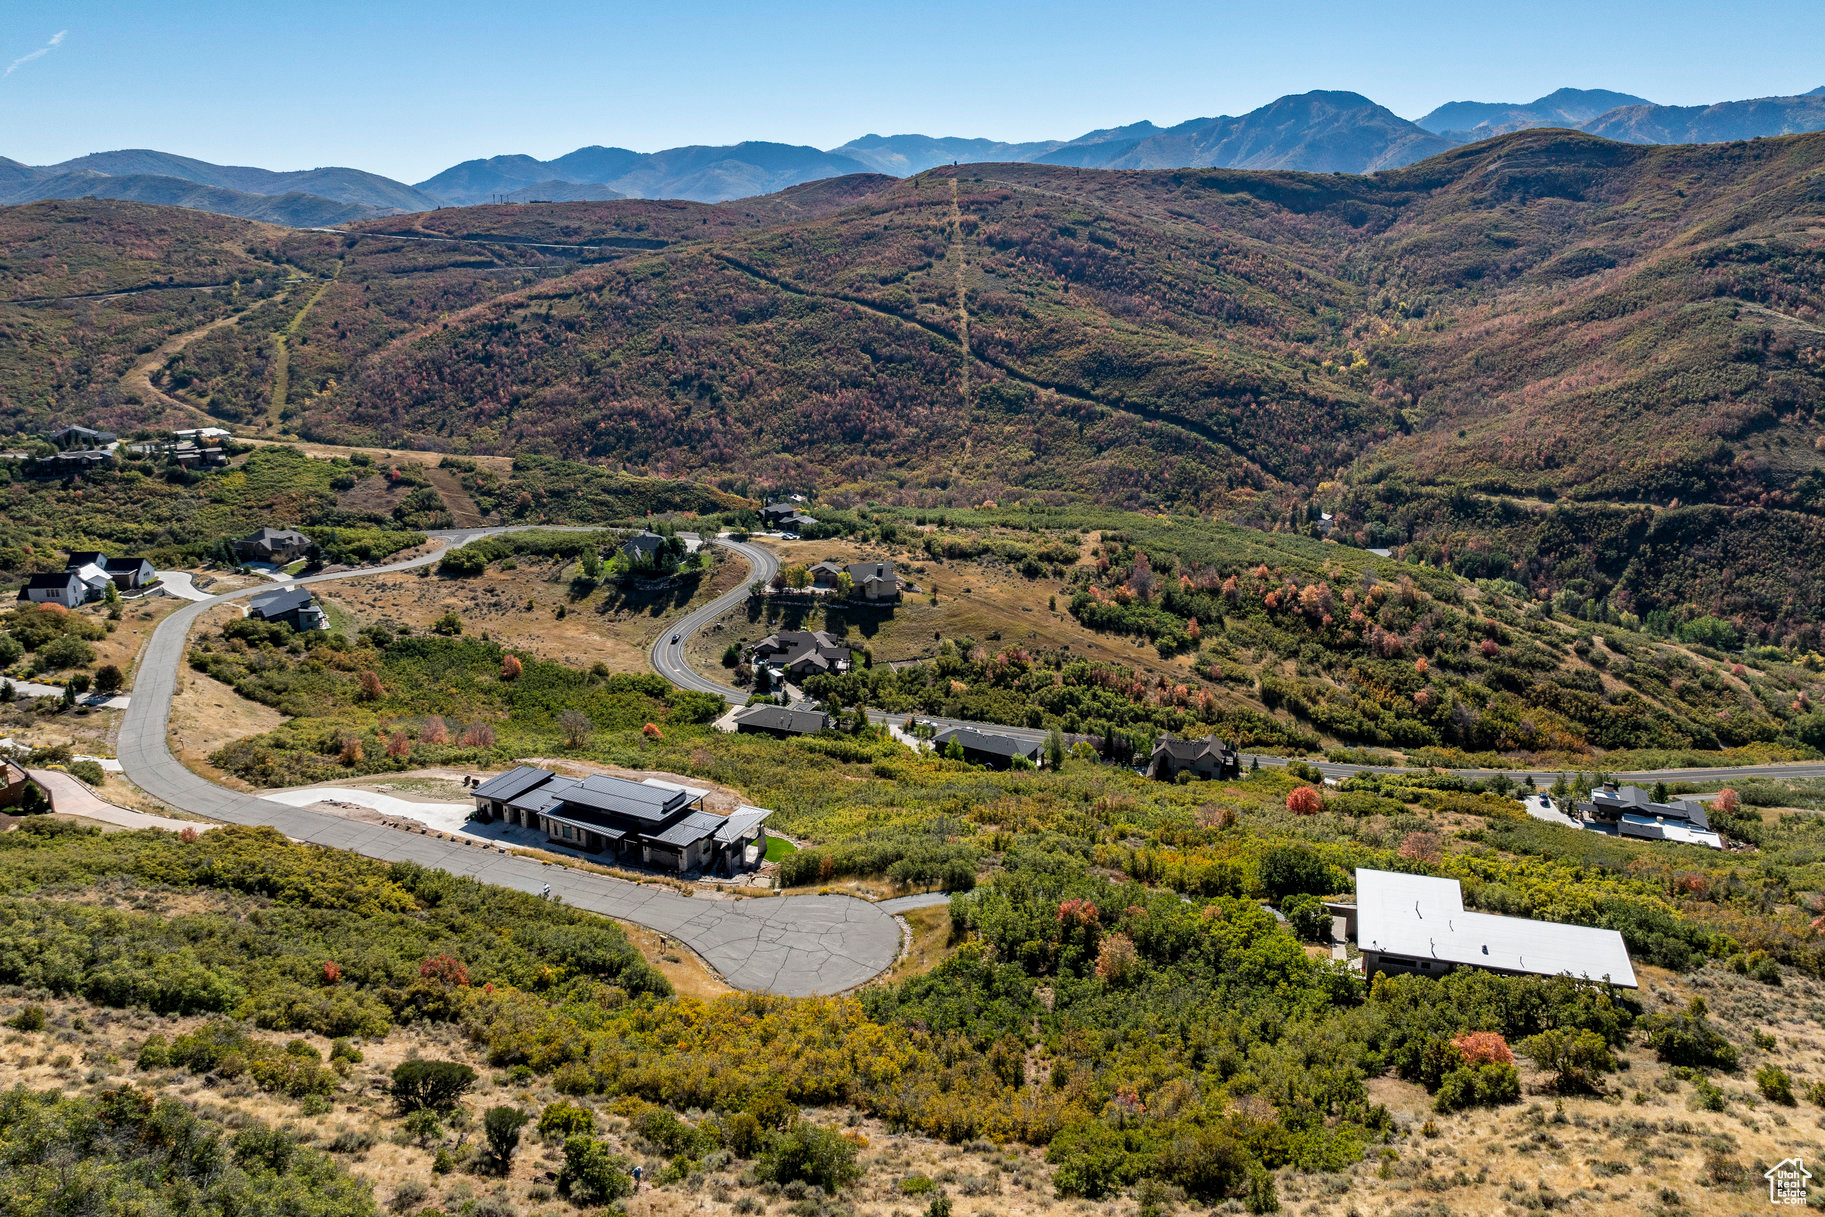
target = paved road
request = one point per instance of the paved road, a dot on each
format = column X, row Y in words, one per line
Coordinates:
column 668, row 656
column 797, row 945
column 668, row 660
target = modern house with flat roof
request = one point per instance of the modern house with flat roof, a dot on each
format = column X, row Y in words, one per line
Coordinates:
column 293, row 606
column 1418, row 924
column 649, row 823
column 1209, row 758
column 989, row 748
column 1630, row 811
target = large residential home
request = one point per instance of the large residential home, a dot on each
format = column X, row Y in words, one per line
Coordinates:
column 867, row 580
column 95, row 580
column 1209, row 758
column 785, row 516
column 127, row 574
column 780, row 721
column 70, row 439
column 989, row 748
column 76, row 460
column 293, row 606
column 651, row 823
column 1418, row 924
column 797, row 654
column 649, row 549
column 64, row 587
column 184, row 452
column 875, row 580
column 275, row 545
column 1630, row 811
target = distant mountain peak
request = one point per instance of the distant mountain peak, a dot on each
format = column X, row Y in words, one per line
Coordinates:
column 1560, row 108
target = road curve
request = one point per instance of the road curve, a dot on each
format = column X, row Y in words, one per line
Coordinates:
column 668, row 656
column 797, row 945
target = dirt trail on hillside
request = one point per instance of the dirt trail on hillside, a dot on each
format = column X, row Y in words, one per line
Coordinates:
column 138, row 378
column 958, row 260
column 461, row 507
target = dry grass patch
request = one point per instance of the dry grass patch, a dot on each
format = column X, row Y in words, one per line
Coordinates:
column 520, row 608
column 689, row 974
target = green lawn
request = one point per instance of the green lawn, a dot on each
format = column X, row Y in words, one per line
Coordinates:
column 779, row 847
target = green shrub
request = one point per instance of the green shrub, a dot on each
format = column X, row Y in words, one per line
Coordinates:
column 1308, row 917
column 1574, row 1055
column 29, row 1018
column 89, row 771
column 65, row 652
column 501, row 1126
column 436, row 1085
column 673, row 1135
column 592, row 1173
column 155, row 1053
column 813, row 1154
column 564, row 1119
column 1775, row 1084
column 1689, row 1039
column 1478, row 1086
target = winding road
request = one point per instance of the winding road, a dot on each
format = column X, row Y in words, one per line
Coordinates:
column 668, row 656
column 793, row 945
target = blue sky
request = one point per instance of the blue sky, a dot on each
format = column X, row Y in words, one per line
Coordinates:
column 406, row 88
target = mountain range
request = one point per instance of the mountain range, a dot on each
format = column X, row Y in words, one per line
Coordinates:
column 1323, row 131
column 1547, row 351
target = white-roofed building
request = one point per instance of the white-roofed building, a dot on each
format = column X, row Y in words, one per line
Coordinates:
column 1416, row 923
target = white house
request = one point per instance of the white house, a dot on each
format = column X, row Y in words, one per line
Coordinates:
column 63, row 588
column 1416, row 923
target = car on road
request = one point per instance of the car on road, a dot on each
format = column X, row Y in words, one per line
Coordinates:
column 675, row 639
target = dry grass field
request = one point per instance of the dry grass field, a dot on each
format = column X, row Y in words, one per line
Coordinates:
column 987, row 602
column 526, row 607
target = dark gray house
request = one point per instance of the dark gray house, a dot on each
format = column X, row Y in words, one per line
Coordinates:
column 785, row 516
column 76, row 460
column 797, row 654
column 71, row 439
column 988, row 747
column 1630, row 811
column 651, row 823
column 276, row 545
column 1208, row 758
column 867, row 580
column 780, row 721
column 293, row 606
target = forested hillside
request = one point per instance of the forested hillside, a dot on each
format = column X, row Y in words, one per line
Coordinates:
column 1591, row 367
